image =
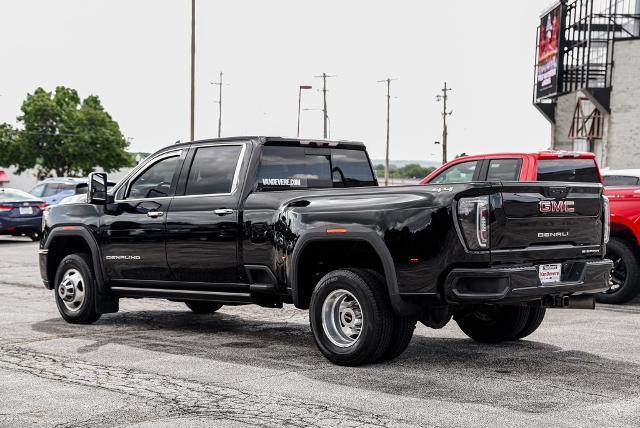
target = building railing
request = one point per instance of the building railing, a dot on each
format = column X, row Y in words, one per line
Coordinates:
column 590, row 28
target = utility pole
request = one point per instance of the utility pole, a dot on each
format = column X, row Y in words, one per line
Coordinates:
column 219, row 83
column 193, row 67
column 444, row 97
column 324, row 99
column 386, row 159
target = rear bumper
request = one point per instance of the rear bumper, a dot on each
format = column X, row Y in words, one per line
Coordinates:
column 20, row 225
column 521, row 284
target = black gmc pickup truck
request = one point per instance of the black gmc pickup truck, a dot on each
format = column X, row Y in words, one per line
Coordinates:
column 271, row 220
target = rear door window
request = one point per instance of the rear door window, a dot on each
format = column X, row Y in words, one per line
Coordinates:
column 571, row 170
column 462, row 172
column 213, row 170
column 504, row 169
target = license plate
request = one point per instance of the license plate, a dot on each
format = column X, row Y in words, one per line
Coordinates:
column 549, row 273
column 26, row 210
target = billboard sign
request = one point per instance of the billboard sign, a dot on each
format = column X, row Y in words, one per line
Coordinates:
column 549, row 61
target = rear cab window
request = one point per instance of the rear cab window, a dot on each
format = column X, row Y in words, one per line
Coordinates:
column 570, row 170
column 299, row 167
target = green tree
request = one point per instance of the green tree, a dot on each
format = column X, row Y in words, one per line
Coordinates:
column 412, row 170
column 7, row 144
column 65, row 135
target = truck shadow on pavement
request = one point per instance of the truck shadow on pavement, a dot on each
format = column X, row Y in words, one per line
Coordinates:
column 526, row 376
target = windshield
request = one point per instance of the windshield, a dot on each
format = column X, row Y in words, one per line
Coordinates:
column 14, row 195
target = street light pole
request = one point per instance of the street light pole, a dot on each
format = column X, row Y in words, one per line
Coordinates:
column 300, row 88
column 193, row 67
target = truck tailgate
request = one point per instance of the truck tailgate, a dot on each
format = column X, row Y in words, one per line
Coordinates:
column 546, row 221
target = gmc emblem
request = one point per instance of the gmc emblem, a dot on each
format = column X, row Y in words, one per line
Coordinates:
column 556, row 206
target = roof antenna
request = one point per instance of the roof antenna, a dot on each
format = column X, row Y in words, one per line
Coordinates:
column 177, row 142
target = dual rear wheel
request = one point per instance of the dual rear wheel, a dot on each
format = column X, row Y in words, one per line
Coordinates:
column 494, row 324
column 352, row 320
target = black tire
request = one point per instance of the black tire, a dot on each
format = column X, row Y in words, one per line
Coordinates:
column 375, row 311
column 80, row 312
column 35, row 236
column 536, row 316
column 625, row 275
column 401, row 331
column 494, row 324
column 203, row 307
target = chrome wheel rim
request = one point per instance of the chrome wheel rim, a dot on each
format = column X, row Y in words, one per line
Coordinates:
column 71, row 289
column 342, row 318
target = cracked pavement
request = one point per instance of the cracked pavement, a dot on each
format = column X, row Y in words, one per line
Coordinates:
column 156, row 364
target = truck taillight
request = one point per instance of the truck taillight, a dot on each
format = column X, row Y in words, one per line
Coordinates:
column 473, row 215
column 607, row 219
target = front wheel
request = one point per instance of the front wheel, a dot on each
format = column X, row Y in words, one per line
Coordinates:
column 624, row 284
column 75, row 292
column 494, row 324
column 351, row 317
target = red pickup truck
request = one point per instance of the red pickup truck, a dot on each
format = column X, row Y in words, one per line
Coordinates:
column 568, row 167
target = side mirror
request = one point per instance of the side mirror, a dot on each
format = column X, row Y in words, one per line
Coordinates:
column 97, row 192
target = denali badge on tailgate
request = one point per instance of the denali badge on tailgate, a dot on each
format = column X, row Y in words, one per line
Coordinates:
column 556, row 206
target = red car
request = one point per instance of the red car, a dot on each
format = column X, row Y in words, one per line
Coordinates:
column 569, row 167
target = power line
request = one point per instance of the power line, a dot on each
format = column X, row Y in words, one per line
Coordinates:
column 324, row 77
column 386, row 159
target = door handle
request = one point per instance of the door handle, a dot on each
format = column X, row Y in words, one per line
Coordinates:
column 155, row 214
column 223, row 211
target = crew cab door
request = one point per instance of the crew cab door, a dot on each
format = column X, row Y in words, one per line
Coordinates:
column 133, row 227
column 202, row 223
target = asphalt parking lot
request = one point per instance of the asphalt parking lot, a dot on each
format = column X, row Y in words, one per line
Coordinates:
column 156, row 364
